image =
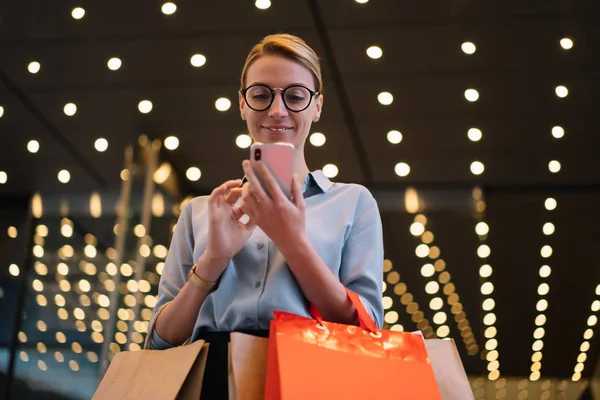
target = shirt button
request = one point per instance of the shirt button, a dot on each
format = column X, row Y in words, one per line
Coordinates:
column 260, row 245
column 257, row 284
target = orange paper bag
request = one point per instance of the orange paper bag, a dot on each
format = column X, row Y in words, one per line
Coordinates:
column 314, row 359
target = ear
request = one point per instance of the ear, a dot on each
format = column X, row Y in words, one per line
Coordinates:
column 318, row 108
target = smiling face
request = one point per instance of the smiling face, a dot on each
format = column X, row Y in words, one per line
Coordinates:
column 277, row 123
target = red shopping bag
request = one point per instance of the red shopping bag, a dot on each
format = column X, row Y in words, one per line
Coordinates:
column 314, row 359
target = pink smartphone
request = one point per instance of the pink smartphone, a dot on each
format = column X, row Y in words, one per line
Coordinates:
column 279, row 159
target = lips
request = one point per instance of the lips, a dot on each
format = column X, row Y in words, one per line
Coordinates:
column 277, row 129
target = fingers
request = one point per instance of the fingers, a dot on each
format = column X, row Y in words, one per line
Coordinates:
column 297, row 193
column 234, row 195
column 255, row 192
column 270, row 182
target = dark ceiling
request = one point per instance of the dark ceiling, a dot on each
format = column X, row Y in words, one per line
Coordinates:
column 516, row 68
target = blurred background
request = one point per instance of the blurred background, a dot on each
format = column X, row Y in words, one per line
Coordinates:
column 474, row 124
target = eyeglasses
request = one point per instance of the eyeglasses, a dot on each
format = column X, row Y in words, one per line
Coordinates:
column 296, row 98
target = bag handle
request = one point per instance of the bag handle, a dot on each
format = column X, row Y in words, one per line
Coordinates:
column 364, row 318
column 148, row 342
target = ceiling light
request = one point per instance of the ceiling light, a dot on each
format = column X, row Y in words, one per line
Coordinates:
column 436, row 303
column 222, row 104
column 487, row 288
column 485, row 271
column 243, row 141
column 439, row 318
column 468, row 47
column 592, row 320
column 484, row 251
column 566, row 43
column 171, row 142
column 78, row 13
column 491, row 332
column 471, row 95
column 443, row 331
column 114, row 63
column 489, row 319
column 488, row 305
column 33, row 146
column 262, row 4
column 34, row 67
column 548, row 228
column 540, row 320
column 385, row 98
column 432, row 287
column 545, row 271
column 596, row 305
column 193, row 174
column 427, row 270
column 161, row 174
column 543, row 289
column 417, row 229
column 477, row 168
column 394, row 137
column 550, row 204
column 70, row 109
column 474, row 134
column 64, row 176
column 482, row 229
column 145, row 106
column 317, row 139
column 1, row 111
column 101, row 144
column 542, row 305
column 362, row 1
column 169, row 8
column 330, row 170
column 558, row 132
column 546, row 251
column 554, row 166
column 422, row 251
column 198, row 60
column 374, row 52
column 402, row 169
column 562, row 91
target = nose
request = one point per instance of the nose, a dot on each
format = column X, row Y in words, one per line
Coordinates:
column 278, row 109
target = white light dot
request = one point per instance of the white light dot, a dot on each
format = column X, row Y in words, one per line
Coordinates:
column 101, row 144
column 330, row 170
column 545, row 271
column 317, row 139
column 78, row 13
column 243, row 141
column 417, row 229
column 114, row 63
column 198, row 60
column 474, row 134
column 391, row 317
column 488, row 305
column 439, row 318
column 432, row 287
column 427, row 270
column 169, row 8
column 487, row 288
column 33, row 146
column 222, row 104
column 1, row 111
column 394, row 137
column 385, row 98
column 550, row 204
column 477, row 168
column 566, row 43
column 558, row 132
column 70, row 109
column 64, row 176
column 34, row 67
column 471, row 95
column 592, row 320
column 3, row 177
column 436, row 303
column 262, row 4
column 484, row 251
column 443, row 331
column 542, row 305
column 171, row 142
column 13, row 269
column 482, row 228
column 422, row 251
column 193, row 174
column 374, row 52
column 485, row 271
column 362, row 1
column 554, row 166
column 145, row 106
column 562, row 91
column 402, row 169
column 546, row 251
column 548, row 228
column 543, row 289
column 489, row 319
column 468, row 47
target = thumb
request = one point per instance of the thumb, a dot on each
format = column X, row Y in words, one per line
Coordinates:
column 297, row 193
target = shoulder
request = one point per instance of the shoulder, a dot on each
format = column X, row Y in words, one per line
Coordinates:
column 353, row 192
column 194, row 207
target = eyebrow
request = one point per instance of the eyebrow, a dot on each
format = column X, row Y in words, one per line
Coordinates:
column 291, row 84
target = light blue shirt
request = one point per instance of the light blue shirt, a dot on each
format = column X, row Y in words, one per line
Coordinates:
column 344, row 227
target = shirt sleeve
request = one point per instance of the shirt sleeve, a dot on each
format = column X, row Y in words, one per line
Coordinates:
column 180, row 259
column 362, row 256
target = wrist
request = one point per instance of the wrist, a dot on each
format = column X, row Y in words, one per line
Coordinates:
column 210, row 268
column 297, row 246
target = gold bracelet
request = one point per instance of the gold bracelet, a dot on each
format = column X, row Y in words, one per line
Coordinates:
column 196, row 280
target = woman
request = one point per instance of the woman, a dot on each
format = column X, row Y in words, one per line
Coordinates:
column 222, row 274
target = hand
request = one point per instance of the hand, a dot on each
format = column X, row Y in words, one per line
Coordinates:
column 282, row 220
column 226, row 234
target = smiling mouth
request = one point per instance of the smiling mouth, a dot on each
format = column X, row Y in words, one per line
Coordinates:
column 278, row 130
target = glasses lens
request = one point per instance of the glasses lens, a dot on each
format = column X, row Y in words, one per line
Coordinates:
column 297, row 98
column 258, row 97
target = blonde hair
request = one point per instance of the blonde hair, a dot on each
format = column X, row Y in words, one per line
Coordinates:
column 291, row 47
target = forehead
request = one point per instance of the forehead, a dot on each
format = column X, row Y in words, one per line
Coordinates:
column 277, row 71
